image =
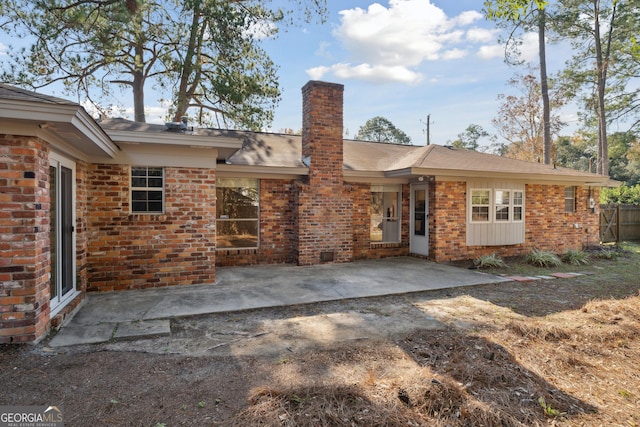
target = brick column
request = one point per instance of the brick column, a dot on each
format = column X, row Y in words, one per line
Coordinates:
column 24, row 239
column 324, row 204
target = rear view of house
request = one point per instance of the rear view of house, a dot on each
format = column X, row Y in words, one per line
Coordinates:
column 118, row 205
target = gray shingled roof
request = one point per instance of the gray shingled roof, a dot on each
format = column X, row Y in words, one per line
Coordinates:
column 263, row 149
column 18, row 94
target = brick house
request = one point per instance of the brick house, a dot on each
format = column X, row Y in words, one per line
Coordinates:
column 116, row 205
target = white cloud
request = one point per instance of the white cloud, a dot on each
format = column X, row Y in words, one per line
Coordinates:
column 491, row 51
column 468, row 17
column 323, row 50
column 454, row 54
column 529, row 48
column 368, row 72
column 3, row 49
column 390, row 42
column 481, row 35
column 316, row 73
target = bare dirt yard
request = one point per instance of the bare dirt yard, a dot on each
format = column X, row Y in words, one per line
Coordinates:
column 560, row 351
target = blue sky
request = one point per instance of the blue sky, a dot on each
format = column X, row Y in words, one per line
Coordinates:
column 400, row 59
column 403, row 59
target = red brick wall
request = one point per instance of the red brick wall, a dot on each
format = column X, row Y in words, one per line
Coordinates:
column 363, row 248
column 447, row 227
column 324, row 224
column 24, row 239
column 547, row 226
column 130, row 251
column 277, row 228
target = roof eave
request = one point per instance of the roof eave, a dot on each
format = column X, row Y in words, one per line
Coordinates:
column 172, row 138
column 590, row 180
column 46, row 114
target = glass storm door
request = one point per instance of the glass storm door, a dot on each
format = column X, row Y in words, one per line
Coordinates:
column 419, row 242
column 62, row 232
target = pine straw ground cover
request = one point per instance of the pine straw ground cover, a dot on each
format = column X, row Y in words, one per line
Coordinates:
column 490, row 367
column 577, row 368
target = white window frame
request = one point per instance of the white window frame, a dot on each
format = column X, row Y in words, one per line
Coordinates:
column 489, row 206
column 148, row 189
column 514, row 205
column 493, row 206
column 502, row 205
column 394, row 217
column 572, row 198
column 237, row 182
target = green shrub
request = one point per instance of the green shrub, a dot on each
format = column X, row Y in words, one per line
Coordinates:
column 575, row 257
column 489, row 261
column 543, row 258
column 624, row 194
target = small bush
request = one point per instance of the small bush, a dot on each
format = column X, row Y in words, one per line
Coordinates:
column 576, row 257
column 489, row 261
column 543, row 258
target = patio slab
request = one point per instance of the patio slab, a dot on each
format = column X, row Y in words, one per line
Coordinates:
column 246, row 288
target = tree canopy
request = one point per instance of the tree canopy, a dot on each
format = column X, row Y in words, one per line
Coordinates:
column 203, row 55
column 469, row 139
column 380, row 129
column 519, row 120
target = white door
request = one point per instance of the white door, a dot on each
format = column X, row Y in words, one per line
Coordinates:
column 419, row 241
column 62, row 231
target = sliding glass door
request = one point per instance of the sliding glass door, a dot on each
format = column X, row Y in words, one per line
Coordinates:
column 62, row 230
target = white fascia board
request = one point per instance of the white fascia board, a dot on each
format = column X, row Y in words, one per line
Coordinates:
column 372, row 177
column 456, row 175
column 170, row 156
column 42, row 113
column 88, row 126
column 174, row 138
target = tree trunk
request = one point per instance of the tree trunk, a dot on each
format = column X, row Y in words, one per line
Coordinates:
column 602, row 166
column 544, row 86
column 183, row 97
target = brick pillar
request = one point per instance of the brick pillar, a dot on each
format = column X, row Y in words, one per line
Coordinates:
column 324, row 203
column 24, row 239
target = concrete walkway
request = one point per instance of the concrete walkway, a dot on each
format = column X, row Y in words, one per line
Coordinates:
column 146, row 313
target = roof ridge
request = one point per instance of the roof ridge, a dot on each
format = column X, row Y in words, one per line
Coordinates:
column 427, row 150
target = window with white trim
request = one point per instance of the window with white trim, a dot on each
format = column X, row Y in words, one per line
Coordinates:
column 385, row 213
column 237, row 213
column 496, row 205
column 518, row 206
column 502, row 198
column 569, row 199
column 147, row 189
column 480, row 205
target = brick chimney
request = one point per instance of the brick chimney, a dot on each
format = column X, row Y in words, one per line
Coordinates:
column 322, row 132
column 325, row 204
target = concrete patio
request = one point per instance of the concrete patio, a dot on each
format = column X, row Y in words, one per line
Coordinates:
column 147, row 313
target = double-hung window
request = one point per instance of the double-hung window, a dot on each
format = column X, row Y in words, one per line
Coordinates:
column 570, row 199
column 480, row 205
column 237, row 213
column 147, row 189
column 495, row 213
column 496, row 205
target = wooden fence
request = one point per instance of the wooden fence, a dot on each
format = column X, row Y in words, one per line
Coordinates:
column 619, row 223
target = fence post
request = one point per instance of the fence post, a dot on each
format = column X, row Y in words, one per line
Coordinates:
column 618, row 223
